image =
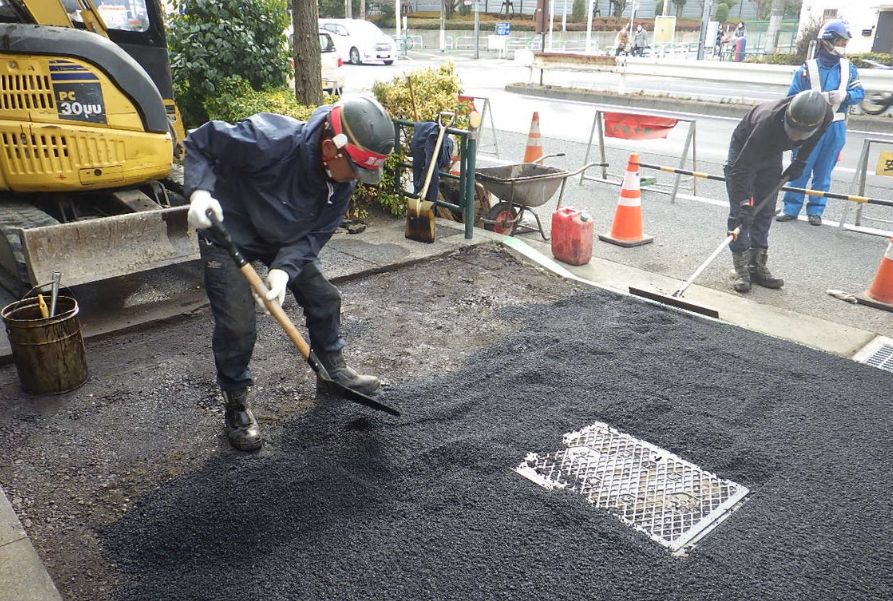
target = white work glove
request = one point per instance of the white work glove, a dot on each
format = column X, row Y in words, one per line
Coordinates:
column 277, row 284
column 199, row 202
column 834, row 97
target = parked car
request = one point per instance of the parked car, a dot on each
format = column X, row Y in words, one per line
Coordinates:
column 333, row 72
column 332, row 66
column 360, row 41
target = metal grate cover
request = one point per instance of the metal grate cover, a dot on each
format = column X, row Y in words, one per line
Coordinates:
column 877, row 353
column 671, row 500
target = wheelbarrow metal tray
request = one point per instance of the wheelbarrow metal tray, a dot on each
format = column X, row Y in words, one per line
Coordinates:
column 526, row 184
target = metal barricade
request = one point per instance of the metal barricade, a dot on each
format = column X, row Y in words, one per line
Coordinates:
column 858, row 184
column 467, row 165
column 690, row 143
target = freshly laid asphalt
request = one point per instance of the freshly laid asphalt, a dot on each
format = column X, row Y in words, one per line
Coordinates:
column 353, row 505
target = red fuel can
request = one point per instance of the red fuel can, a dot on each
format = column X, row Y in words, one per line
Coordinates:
column 572, row 236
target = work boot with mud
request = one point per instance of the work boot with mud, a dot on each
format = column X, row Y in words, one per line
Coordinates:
column 759, row 273
column 742, row 273
column 339, row 372
column 241, row 427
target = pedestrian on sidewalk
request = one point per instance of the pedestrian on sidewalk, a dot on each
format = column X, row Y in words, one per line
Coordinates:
column 621, row 41
column 739, row 43
column 836, row 77
column 281, row 187
column 640, row 40
column 754, row 169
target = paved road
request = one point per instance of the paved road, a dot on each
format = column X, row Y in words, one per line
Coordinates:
column 813, row 260
column 569, row 120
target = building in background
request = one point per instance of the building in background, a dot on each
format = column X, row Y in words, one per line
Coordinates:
column 871, row 22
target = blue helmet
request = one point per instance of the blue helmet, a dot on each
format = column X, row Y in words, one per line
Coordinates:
column 833, row 30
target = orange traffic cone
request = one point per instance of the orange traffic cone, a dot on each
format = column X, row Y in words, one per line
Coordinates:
column 880, row 294
column 627, row 227
column 534, row 150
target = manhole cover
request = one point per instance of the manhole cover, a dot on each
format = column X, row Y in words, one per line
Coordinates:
column 877, row 353
column 671, row 500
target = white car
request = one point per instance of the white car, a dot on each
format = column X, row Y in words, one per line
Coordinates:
column 360, row 41
column 332, row 65
column 333, row 75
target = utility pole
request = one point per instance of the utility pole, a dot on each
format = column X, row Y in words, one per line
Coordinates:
column 348, row 9
column 363, row 9
column 397, row 17
column 666, row 12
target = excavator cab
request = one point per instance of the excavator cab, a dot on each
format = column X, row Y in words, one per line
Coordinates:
column 88, row 134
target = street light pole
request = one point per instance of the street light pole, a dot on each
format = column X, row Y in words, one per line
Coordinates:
column 477, row 29
column 442, row 28
column 705, row 19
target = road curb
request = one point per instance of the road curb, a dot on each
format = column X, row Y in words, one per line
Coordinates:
column 879, row 124
column 23, row 577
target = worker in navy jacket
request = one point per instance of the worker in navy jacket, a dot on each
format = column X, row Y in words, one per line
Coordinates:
column 836, row 77
column 754, row 169
column 281, row 187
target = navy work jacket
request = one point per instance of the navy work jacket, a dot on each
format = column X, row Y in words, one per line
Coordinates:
column 267, row 173
column 759, row 140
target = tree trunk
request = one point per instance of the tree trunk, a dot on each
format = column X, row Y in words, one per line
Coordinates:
column 363, row 9
column 776, row 14
column 308, row 65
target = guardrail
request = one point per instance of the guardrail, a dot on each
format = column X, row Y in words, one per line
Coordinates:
column 749, row 73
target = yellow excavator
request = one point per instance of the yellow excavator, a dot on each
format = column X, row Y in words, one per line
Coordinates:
column 88, row 136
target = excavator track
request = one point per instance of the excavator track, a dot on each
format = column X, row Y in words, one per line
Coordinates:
column 16, row 215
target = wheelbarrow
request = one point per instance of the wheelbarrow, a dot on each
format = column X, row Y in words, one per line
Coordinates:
column 520, row 188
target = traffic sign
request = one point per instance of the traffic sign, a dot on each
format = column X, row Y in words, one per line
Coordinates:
column 503, row 28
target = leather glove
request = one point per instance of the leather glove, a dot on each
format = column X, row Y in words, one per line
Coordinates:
column 745, row 213
column 834, row 97
column 794, row 170
column 199, row 202
column 277, row 284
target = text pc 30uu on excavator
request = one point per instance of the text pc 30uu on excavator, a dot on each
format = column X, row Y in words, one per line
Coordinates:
column 88, row 134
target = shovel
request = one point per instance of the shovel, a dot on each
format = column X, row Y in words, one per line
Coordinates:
column 675, row 300
column 279, row 315
column 419, row 212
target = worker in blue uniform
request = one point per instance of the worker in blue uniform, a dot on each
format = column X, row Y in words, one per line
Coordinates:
column 837, row 78
column 281, row 187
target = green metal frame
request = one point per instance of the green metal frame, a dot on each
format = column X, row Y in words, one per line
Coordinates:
column 467, row 164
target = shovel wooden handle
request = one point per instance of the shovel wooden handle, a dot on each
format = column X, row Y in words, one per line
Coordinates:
column 275, row 310
column 260, row 289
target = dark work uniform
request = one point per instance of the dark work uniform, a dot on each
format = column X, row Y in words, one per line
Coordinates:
column 280, row 209
column 424, row 139
column 754, row 166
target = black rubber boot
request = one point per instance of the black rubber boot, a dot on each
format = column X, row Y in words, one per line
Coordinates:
column 759, row 273
column 344, row 375
column 742, row 273
column 241, row 427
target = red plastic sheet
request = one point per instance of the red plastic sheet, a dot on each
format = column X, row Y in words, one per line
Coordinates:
column 637, row 127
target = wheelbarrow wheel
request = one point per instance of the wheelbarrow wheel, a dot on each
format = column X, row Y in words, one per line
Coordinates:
column 502, row 219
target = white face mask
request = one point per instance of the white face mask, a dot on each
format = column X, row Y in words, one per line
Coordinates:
column 839, row 50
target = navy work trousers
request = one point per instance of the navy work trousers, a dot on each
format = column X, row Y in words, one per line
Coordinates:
column 234, row 310
column 767, row 176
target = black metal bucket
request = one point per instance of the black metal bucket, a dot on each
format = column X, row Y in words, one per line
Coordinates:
column 48, row 351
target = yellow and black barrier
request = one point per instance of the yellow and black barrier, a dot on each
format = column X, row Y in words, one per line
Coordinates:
column 807, row 191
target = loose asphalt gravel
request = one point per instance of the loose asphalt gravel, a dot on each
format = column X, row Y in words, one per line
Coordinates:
column 349, row 504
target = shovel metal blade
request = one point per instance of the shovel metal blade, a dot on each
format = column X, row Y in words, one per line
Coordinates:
column 348, row 393
column 420, row 224
column 357, row 397
column 674, row 301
